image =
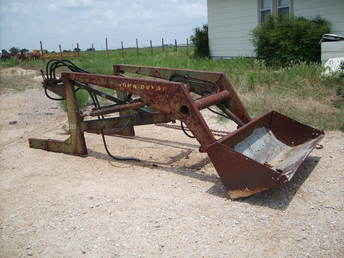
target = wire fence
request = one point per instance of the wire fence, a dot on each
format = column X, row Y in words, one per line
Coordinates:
column 149, row 48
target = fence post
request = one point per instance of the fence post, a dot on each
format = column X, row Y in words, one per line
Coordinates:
column 176, row 45
column 106, row 45
column 60, row 50
column 162, row 44
column 41, row 47
column 151, row 46
column 122, row 49
column 137, row 46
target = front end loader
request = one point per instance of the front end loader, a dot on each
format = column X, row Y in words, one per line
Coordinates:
column 263, row 153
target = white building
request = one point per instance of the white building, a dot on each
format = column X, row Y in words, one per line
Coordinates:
column 231, row 21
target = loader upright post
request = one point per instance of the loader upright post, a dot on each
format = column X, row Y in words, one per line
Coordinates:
column 75, row 144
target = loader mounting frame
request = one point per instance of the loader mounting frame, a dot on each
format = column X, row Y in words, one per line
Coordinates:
column 168, row 97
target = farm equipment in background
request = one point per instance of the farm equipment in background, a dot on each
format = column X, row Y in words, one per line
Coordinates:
column 21, row 55
column 263, row 153
column 68, row 54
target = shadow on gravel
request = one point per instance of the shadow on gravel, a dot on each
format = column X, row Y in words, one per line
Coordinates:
column 278, row 198
column 192, row 171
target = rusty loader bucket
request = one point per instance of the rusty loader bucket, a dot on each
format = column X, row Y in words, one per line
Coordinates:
column 262, row 153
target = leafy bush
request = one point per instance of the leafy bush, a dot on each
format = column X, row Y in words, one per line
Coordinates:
column 284, row 40
column 201, row 42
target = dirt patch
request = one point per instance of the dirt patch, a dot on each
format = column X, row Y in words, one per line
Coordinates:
column 16, row 78
column 17, row 71
column 25, row 110
column 173, row 204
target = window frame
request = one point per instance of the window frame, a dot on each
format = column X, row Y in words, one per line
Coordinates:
column 274, row 9
column 261, row 9
column 282, row 7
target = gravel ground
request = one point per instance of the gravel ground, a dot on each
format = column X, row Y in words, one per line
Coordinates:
column 56, row 205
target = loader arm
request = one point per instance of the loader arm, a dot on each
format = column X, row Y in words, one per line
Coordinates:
column 212, row 82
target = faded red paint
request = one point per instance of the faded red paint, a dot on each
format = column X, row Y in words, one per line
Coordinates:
column 240, row 174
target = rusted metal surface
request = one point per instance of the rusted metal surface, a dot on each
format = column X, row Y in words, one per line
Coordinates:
column 57, row 87
column 166, row 73
column 128, row 131
column 219, row 79
column 269, row 148
column 164, row 96
column 116, row 108
column 212, row 100
column 263, row 153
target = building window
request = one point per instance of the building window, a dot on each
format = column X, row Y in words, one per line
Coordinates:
column 283, row 8
column 265, row 10
column 273, row 7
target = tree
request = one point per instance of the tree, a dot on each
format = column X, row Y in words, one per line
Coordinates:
column 5, row 55
column 201, row 41
column 14, row 50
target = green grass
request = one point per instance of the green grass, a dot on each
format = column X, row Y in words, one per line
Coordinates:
column 298, row 91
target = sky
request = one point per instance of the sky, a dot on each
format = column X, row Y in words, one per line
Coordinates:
column 24, row 23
